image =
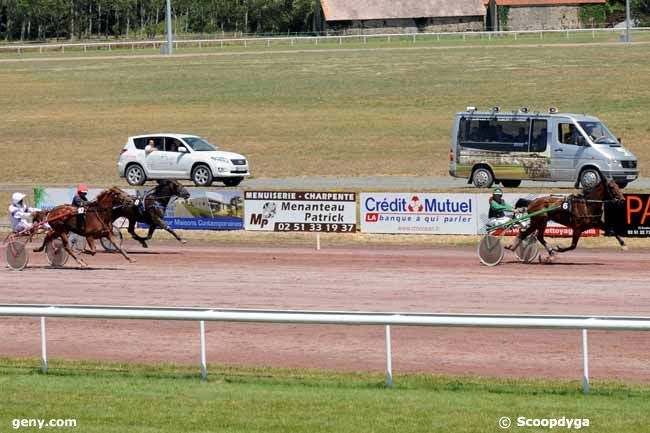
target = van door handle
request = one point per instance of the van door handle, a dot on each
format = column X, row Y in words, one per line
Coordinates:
column 559, row 150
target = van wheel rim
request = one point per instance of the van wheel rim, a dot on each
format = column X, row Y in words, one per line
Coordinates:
column 589, row 179
column 481, row 178
column 201, row 175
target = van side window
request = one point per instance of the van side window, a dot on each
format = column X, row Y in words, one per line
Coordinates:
column 567, row 133
column 140, row 143
column 539, row 134
column 495, row 135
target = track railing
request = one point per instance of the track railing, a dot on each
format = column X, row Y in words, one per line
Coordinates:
column 268, row 41
column 388, row 319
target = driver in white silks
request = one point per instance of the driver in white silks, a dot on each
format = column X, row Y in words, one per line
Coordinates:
column 500, row 211
column 19, row 213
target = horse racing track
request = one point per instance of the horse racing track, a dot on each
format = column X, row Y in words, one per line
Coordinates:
column 370, row 278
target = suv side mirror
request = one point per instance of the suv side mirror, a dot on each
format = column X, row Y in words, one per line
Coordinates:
column 620, row 140
column 182, row 149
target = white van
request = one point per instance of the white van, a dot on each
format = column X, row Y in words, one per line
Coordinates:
column 507, row 147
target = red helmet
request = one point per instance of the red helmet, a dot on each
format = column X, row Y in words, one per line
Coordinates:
column 82, row 189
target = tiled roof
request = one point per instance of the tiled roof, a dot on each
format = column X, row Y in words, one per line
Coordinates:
column 344, row 10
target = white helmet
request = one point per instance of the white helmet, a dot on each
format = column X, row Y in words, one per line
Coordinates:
column 17, row 197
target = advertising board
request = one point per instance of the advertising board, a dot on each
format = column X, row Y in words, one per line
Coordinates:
column 418, row 213
column 301, row 211
column 632, row 219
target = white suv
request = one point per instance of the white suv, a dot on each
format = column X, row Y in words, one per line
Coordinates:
column 179, row 156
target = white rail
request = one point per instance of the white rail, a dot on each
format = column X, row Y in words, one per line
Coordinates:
column 292, row 40
column 387, row 319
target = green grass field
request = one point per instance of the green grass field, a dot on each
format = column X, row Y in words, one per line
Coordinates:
column 107, row 397
column 353, row 112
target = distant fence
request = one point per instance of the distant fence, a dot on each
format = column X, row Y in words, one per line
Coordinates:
column 386, row 319
column 315, row 40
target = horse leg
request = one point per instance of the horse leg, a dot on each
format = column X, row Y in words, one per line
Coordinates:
column 113, row 240
column 152, row 229
column 540, row 238
column 90, row 241
column 135, row 236
column 621, row 242
column 162, row 224
column 69, row 250
column 48, row 237
column 574, row 242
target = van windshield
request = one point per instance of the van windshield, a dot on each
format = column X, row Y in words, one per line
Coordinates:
column 199, row 144
column 599, row 134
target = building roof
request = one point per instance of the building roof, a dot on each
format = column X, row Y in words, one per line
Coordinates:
column 349, row 10
column 543, row 2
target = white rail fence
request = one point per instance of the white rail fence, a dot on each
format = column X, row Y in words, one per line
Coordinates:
column 387, row 320
column 537, row 35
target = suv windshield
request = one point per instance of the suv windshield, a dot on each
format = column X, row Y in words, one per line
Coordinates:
column 199, row 145
column 598, row 133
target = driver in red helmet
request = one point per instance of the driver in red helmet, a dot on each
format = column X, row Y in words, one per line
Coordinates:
column 81, row 197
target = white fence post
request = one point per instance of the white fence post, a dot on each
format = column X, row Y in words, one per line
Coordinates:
column 389, row 360
column 204, row 367
column 43, row 347
column 585, row 363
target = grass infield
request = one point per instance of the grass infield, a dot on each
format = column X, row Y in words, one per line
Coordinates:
column 113, row 397
column 347, row 112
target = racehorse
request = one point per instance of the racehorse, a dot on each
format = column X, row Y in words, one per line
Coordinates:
column 95, row 224
column 579, row 212
column 150, row 209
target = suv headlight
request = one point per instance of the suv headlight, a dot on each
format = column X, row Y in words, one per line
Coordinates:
column 220, row 159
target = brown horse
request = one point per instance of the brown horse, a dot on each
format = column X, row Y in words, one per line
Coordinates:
column 96, row 223
column 579, row 212
column 151, row 208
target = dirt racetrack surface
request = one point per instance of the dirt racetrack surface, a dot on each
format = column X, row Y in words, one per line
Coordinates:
column 370, row 278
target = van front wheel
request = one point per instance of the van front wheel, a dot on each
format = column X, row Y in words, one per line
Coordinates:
column 482, row 178
column 589, row 178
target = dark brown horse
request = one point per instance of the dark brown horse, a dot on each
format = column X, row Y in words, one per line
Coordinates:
column 96, row 222
column 150, row 209
column 579, row 212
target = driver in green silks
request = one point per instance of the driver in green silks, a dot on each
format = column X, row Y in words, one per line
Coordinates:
column 498, row 208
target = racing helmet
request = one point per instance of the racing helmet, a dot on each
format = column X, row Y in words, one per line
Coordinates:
column 497, row 191
column 82, row 189
column 17, row 197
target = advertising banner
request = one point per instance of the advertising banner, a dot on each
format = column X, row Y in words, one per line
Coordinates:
column 204, row 210
column 293, row 211
column 418, row 213
column 207, row 210
column 631, row 219
column 552, row 229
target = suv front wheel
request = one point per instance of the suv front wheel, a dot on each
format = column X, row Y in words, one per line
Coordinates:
column 202, row 175
column 135, row 175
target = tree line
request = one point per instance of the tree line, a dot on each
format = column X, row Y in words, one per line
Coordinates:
column 133, row 19
column 87, row 19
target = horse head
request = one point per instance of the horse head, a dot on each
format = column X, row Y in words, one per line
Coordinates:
column 172, row 188
column 607, row 189
column 112, row 197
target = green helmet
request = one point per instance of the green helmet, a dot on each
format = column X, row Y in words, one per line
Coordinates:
column 497, row 191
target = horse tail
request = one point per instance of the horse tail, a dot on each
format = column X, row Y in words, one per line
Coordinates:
column 522, row 202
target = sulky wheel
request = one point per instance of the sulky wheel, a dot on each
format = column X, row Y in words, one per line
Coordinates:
column 527, row 250
column 16, row 254
column 490, row 250
column 56, row 254
column 106, row 243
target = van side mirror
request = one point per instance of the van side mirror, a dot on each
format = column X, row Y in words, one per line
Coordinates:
column 182, row 149
column 620, row 140
column 582, row 141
